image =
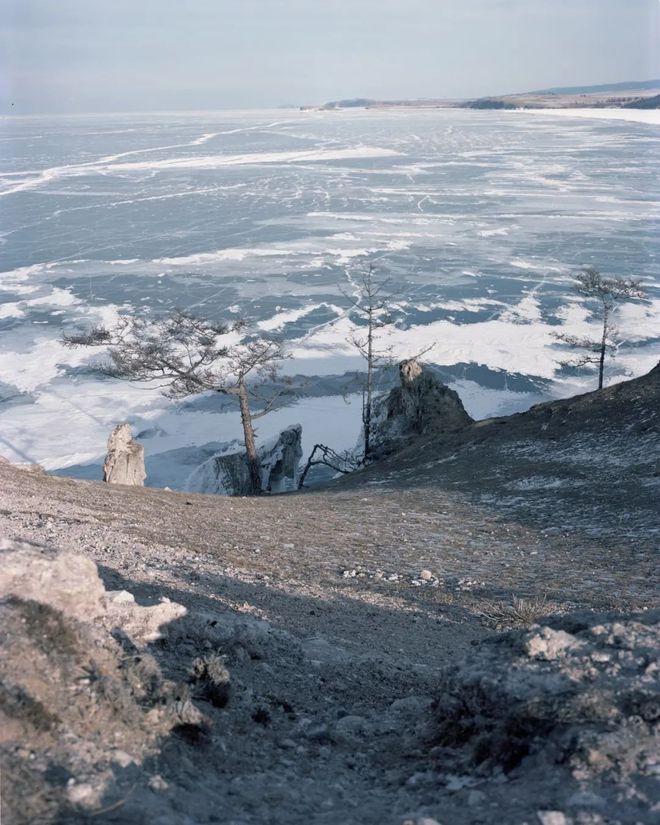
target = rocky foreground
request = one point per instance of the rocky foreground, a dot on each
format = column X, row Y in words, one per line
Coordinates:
column 420, row 643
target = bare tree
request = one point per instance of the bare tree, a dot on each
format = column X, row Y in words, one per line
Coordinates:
column 370, row 303
column 344, row 462
column 605, row 292
column 188, row 355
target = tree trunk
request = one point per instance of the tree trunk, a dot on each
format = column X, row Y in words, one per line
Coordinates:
column 370, row 377
column 248, row 436
column 603, row 346
column 601, row 367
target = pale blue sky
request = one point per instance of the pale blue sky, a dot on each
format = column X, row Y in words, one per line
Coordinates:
column 119, row 55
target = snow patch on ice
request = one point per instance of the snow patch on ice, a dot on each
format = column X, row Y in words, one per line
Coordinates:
column 110, row 165
column 281, row 318
column 649, row 116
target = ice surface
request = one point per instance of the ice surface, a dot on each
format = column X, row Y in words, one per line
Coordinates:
column 478, row 220
column 651, row 116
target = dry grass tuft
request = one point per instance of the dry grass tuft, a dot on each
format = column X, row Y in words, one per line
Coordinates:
column 519, row 613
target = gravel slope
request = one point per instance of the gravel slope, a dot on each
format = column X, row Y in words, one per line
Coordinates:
column 368, row 590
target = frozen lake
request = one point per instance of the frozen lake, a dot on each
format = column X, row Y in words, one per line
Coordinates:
column 477, row 219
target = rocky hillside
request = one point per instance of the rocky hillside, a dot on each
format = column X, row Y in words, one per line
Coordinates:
column 462, row 633
column 590, row 463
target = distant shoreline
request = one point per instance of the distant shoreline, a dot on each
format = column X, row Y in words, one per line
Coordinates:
column 638, row 96
column 648, row 116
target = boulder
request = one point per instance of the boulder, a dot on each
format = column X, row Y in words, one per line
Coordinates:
column 227, row 473
column 70, row 583
column 124, row 463
column 421, row 405
column 575, row 699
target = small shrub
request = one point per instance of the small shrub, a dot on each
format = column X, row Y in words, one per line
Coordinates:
column 213, row 680
column 519, row 613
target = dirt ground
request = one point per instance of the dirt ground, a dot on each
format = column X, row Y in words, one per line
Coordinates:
column 338, row 614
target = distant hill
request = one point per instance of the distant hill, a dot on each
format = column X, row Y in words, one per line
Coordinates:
column 630, row 86
column 642, row 94
column 630, row 95
column 643, row 103
column 368, row 103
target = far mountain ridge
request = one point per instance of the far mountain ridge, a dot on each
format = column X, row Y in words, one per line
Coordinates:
column 643, row 94
column 626, row 86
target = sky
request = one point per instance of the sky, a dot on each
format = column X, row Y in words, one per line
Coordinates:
column 156, row 55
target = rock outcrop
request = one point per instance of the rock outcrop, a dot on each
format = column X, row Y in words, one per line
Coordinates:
column 124, row 462
column 80, row 698
column 422, row 405
column 227, row 473
column 70, row 583
column 576, row 700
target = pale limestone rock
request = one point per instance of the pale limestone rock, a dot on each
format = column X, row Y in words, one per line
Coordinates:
column 140, row 624
column 552, row 818
column 124, row 462
column 70, row 583
column 78, row 696
column 549, row 644
column 66, row 581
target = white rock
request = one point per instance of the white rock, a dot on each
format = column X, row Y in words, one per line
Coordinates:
column 124, row 462
column 71, row 583
column 65, row 581
column 120, row 597
column 157, row 783
column 549, row 644
column 83, row 794
column 552, row 818
column 122, row 758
